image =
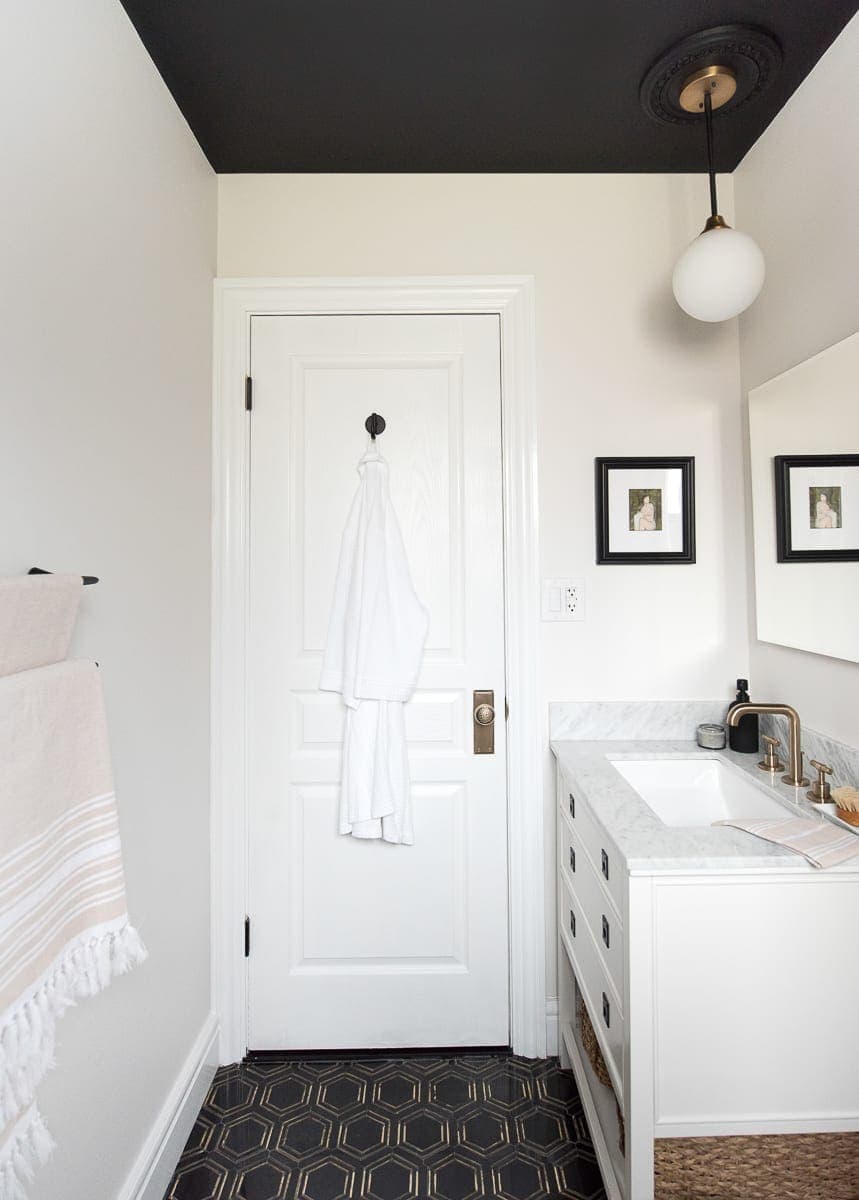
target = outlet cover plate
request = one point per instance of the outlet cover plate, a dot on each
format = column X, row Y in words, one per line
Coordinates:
column 563, row 600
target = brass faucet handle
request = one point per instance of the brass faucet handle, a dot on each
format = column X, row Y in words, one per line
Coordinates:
column 770, row 761
column 821, row 791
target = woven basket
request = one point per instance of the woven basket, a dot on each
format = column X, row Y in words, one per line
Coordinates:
column 592, row 1046
column 595, row 1058
column 799, row 1166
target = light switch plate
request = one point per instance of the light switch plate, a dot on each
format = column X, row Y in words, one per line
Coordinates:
column 563, row 600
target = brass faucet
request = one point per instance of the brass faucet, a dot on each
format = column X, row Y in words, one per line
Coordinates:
column 796, row 777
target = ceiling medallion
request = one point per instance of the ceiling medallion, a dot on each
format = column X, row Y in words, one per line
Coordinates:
column 751, row 55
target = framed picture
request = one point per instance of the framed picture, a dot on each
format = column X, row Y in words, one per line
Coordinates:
column 645, row 509
column 817, row 507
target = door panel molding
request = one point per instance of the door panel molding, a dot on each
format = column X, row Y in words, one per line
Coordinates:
column 236, row 302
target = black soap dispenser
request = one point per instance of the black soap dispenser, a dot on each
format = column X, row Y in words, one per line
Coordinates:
column 744, row 735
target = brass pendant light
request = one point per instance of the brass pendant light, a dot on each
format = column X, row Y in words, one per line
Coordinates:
column 722, row 272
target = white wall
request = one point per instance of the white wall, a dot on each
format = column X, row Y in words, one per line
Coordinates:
column 796, row 193
column 108, row 233
column 621, row 371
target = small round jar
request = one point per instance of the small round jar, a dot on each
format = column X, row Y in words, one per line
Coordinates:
column 712, row 737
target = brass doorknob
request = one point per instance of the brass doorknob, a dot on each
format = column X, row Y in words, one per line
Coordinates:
column 484, row 714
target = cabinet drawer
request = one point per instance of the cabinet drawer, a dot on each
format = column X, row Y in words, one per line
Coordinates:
column 596, row 843
column 602, row 1000
column 597, row 907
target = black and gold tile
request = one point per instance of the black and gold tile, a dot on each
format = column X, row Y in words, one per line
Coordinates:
column 413, row 1127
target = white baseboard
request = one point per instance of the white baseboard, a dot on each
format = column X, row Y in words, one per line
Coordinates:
column 149, row 1177
column 552, row 1026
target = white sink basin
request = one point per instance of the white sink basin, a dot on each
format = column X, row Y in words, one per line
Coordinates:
column 696, row 792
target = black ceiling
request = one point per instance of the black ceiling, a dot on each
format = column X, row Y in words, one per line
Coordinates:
column 456, row 85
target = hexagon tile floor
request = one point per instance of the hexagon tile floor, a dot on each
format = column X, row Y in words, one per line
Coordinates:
column 417, row 1127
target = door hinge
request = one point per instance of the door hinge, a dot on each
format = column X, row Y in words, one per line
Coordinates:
column 506, row 709
column 249, row 393
column 247, row 937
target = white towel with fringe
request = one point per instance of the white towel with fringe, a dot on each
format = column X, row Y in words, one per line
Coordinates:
column 64, row 928
column 372, row 658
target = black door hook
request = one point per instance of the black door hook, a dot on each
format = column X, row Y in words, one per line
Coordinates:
column 374, row 424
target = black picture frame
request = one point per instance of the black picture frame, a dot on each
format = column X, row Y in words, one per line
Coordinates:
column 605, row 555
column 783, row 464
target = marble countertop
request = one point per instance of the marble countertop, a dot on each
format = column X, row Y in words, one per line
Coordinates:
column 645, row 843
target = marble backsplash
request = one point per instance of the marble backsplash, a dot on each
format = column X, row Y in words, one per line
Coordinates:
column 667, row 720
column 631, row 720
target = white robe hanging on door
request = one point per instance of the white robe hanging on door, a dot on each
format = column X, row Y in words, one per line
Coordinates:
column 372, row 658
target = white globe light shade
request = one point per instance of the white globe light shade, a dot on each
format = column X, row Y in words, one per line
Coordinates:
column 718, row 275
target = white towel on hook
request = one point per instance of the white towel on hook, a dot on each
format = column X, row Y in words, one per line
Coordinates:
column 372, row 658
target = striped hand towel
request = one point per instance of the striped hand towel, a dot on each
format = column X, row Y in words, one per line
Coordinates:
column 64, row 929
column 818, row 840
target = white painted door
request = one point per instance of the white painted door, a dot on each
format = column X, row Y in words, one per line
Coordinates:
column 359, row 943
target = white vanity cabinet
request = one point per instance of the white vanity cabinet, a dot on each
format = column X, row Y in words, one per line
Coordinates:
column 723, row 1000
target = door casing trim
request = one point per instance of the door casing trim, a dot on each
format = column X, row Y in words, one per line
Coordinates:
column 511, row 298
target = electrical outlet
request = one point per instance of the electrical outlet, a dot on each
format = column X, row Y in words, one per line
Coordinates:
column 563, row 600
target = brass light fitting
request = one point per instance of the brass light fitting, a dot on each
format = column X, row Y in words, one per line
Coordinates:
column 724, row 67
column 716, row 277
column 719, row 82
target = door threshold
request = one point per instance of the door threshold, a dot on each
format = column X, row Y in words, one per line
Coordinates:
column 384, row 1052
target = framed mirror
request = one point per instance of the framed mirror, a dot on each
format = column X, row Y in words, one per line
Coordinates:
column 804, row 437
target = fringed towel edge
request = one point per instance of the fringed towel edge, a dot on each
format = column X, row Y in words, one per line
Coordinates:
column 28, row 1028
column 27, row 1146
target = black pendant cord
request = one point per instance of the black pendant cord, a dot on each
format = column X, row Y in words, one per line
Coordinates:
column 708, row 121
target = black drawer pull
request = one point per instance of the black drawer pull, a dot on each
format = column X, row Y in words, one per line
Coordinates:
column 606, row 1011
column 604, row 863
column 606, row 936
column 572, row 923
column 572, row 860
column 572, row 805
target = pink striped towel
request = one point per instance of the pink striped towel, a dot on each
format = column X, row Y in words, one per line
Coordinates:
column 821, row 842
column 64, row 928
